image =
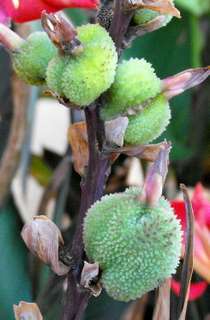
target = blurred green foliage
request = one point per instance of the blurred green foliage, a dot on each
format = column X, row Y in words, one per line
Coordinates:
column 14, row 270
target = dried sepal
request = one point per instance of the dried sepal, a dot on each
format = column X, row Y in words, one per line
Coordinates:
column 77, row 136
column 156, row 176
column 138, row 31
column 161, row 6
column 27, row 311
column 115, row 131
column 147, row 152
column 43, row 239
column 90, row 278
column 62, row 33
column 177, row 84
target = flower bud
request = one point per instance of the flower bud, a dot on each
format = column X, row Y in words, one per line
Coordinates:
column 156, row 176
column 43, row 239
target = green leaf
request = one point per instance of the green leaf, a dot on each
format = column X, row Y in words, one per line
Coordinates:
column 14, row 270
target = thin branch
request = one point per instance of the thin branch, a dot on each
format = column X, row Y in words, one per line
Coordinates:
column 9, row 161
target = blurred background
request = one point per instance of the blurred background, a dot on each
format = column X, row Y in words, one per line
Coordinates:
column 46, row 182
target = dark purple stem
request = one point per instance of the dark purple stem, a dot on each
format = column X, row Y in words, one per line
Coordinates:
column 92, row 186
column 120, row 23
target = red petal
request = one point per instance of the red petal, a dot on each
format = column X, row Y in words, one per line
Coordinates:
column 196, row 289
column 179, row 209
column 198, row 199
column 201, row 205
column 27, row 10
column 88, row 4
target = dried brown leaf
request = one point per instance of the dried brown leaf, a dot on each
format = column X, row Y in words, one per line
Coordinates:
column 115, row 130
column 89, row 278
column 162, row 306
column 27, row 311
column 43, row 239
column 147, row 152
column 77, row 136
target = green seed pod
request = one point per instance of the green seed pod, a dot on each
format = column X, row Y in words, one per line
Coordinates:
column 31, row 59
column 148, row 124
column 144, row 16
column 137, row 247
column 135, row 82
column 54, row 73
column 91, row 73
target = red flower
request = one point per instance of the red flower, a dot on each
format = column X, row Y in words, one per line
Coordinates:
column 27, row 10
column 196, row 289
column 201, row 208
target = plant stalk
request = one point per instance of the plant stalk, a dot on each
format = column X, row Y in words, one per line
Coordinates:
column 92, row 186
column 92, row 189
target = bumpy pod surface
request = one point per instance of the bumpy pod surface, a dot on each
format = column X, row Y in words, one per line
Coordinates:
column 148, row 124
column 135, row 82
column 136, row 247
column 54, row 73
column 143, row 16
column 91, row 73
column 31, row 59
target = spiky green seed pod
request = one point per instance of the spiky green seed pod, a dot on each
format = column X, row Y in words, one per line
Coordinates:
column 31, row 59
column 144, row 16
column 92, row 72
column 54, row 73
column 135, row 82
column 137, row 247
column 148, row 124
